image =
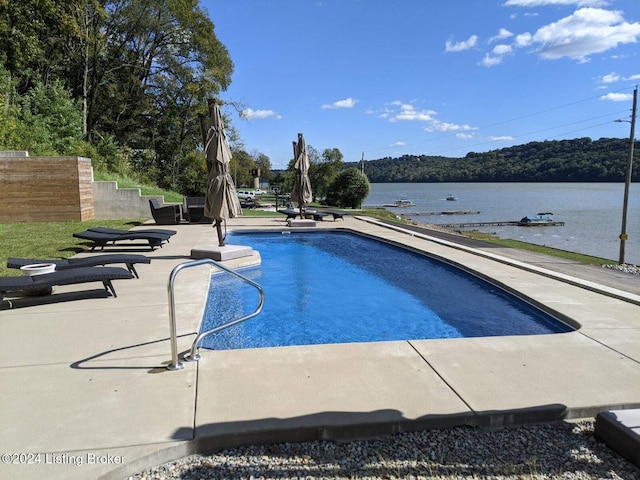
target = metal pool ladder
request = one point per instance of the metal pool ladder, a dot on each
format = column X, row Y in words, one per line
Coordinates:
column 195, row 346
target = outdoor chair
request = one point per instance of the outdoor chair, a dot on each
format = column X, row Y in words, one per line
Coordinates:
column 317, row 216
column 290, row 213
column 94, row 260
column 117, row 231
column 336, row 214
column 193, row 210
column 164, row 215
column 102, row 240
column 72, row 276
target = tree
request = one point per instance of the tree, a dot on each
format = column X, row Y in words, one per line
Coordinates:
column 264, row 164
column 349, row 189
column 324, row 170
column 160, row 64
column 240, row 167
column 51, row 121
column 33, row 35
column 141, row 70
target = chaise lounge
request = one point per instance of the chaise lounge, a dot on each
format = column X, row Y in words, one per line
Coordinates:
column 116, row 231
column 336, row 214
column 290, row 213
column 95, row 260
column 70, row 276
column 101, row 239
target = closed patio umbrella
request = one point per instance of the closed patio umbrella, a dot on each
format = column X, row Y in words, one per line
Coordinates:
column 302, row 185
column 221, row 200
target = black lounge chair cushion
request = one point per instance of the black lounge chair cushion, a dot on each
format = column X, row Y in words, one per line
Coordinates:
column 62, row 264
column 290, row 213
column 116, row 231
column 102, row 239
column 70, row 276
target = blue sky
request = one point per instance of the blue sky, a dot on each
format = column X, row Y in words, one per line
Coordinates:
column 435, row 77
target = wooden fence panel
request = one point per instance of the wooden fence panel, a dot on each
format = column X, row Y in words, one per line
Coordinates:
column 46, row 189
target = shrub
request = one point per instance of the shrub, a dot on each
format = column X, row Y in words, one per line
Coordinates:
column 349, row 189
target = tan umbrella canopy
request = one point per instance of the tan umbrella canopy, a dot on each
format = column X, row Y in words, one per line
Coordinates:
column 302, row 185
column 221, row 201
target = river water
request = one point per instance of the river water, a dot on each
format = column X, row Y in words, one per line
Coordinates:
column 592, row 212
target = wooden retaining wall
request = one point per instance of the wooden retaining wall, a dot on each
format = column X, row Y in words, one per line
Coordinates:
column 45, row 189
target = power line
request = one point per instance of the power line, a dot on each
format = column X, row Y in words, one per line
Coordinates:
column 521, row 117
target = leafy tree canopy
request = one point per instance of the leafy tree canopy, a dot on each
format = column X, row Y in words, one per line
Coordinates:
column 577, row 160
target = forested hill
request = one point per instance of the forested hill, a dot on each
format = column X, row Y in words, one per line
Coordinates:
column 578, row 160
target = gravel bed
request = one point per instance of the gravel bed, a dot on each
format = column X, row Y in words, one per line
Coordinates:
column 632, row 269
column 566, row 451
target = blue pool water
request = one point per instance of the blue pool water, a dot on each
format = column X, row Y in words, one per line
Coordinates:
column 337, row 287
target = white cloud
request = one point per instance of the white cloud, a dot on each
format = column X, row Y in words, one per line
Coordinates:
column 346, row 103
column 398, row 111
column 502, row 49
column 586, row 32
column 617, row 97
column 461, row 46
column 490, row 60
column 501, row 138
column 610, row 78
column 437, row 126
column 465, row 136
column 502, row 35
column 408, row 113
column 523, row 40
column 398, row 144
column 633, row 77
column 259, row 114
column 496, row 55
column 542, row 3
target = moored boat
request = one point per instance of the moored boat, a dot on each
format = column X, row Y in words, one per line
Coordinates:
column 541, row 219
column 403, row 202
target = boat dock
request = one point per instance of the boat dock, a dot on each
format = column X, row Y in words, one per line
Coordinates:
column 515, row 223
column 445, row 212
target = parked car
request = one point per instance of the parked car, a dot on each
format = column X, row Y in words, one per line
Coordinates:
column 252, row 193
column 246, row 195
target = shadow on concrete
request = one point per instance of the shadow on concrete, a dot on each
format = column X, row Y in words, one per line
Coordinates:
column 343, row 426
column 30, row 301
column 102, row 356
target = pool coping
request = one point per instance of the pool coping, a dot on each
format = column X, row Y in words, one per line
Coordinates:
column 125, row 404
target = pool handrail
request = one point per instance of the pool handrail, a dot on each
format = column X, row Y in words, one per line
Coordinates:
column 193, row 354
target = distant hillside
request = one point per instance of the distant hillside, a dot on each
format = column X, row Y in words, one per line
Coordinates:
column 578, row 160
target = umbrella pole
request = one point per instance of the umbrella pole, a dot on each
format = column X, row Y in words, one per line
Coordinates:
column 219, row 230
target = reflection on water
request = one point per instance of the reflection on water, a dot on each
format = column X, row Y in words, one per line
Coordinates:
column 592, row 212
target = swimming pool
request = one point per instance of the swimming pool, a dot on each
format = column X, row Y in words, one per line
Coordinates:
column 340, row 287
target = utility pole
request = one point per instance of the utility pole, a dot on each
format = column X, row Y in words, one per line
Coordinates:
column 362, row 164
column 627, row 182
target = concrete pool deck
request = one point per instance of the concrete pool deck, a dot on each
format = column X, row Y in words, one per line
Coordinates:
column 86, row 392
